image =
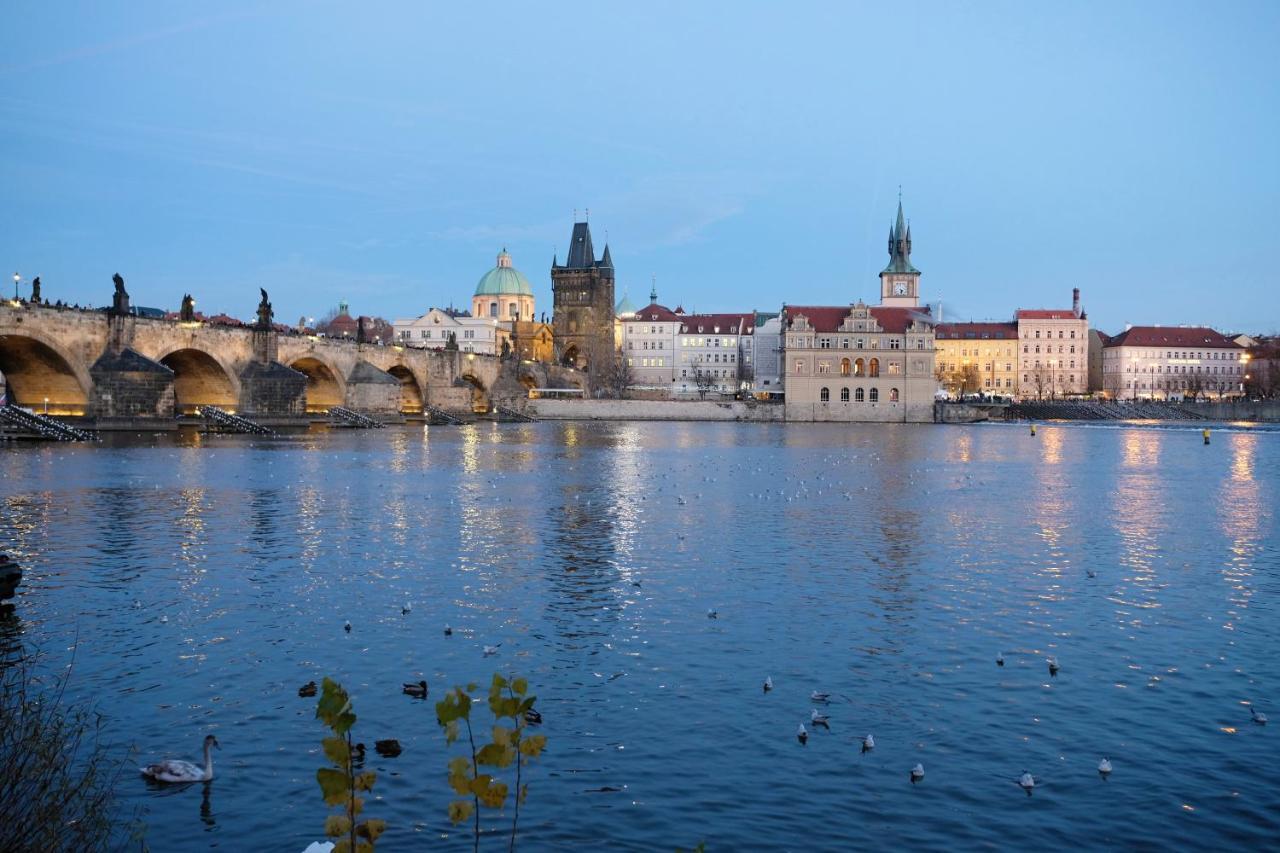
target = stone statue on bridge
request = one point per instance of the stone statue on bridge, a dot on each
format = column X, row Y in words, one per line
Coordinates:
column 265, row 313
column 361, row 335
column 35, row 290
column 120, row 301
column 187, row 313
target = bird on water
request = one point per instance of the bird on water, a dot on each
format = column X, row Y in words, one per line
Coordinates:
column 176, row 771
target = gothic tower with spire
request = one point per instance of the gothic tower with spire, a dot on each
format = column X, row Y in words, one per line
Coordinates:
column 900, row 281
column 583, row 314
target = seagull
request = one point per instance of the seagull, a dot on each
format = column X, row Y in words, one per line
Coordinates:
column 1260, row 719
column 491, row 650
column 868, row 743
column 1053, row 665
column 999, row 658
column 404, row 611
column 1026, row 781
column 768, row 683
column 712, row 614
column 137, row 604
column 347, row 626
column 1104, row 767
column 448, row 632
column 817, row 696
column 1091, row 573
column 801, row 734
column 917, row 773
column 820, row 720
column 163, row 618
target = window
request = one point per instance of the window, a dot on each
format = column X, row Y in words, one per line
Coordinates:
column 844, row 395
column 845, row 367
column 875, row 395
column 857, row 395
column 799, row 366
column 493, row 309
column 824, row 395
column 873, row 368
column 824, row 367
column 858, row 368
column 893, row 393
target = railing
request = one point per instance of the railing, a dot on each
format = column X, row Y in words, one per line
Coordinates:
column 41, row 426
column 220, row 420
column 436, row 413
column 342, row 416
column 509, row 414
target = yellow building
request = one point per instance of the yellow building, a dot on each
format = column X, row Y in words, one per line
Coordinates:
column 977, row 357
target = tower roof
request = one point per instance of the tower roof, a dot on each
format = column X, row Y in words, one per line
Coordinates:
column 503, row 280
column 581, row 253
column 900, row 245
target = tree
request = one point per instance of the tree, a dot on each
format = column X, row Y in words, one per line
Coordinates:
column 619, row 378
column 1195, row 387
column 1042, row 381
column 703, row 380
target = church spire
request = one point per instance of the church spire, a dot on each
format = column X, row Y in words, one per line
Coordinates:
column 900, row 244
column 653, row 291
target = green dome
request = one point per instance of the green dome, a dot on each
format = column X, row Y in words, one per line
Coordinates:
column 504, row 280
column 625, row 307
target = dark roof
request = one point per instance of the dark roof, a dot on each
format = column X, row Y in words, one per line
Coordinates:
column 981, row 331
column 727, row 323
column 900, row 245
column 827, row 318
column 606, row 260
column 1046, row 314
column 581, row 255
column 1172, row 336
column 654, row 312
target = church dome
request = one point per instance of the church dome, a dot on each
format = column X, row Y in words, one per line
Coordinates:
column 504, row 280
column 625, row 307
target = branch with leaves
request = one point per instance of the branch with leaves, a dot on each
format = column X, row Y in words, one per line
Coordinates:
column 341, row 783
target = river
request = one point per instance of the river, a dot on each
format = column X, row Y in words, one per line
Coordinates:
column 202, row 580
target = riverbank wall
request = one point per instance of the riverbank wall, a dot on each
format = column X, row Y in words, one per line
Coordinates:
column 653, row 410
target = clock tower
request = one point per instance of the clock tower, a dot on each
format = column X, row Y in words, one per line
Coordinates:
column 900, row 281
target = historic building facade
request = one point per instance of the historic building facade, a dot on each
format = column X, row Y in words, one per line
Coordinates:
column 714, row 353
column 977, row 357
column 1054, row 357
column 583, row 318
column 432, row 330
column 1172, row 362
column 862, row 362
column 649, row 345
column 503, row 293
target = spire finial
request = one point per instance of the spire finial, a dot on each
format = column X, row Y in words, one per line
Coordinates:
column 575, row 214
column 653, row 291
column 586, row 214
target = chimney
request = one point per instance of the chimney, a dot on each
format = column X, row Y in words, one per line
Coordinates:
column 1075, row 301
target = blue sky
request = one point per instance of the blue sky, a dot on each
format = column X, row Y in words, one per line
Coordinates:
column 745, row 154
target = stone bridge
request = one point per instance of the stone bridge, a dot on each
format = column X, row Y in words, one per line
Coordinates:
column 122, row 370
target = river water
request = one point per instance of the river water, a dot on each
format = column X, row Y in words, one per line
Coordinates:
column 207, row 578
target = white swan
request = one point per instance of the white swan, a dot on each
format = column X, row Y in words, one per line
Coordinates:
column 917, row 773
column 175, row 770
column 1104, row 766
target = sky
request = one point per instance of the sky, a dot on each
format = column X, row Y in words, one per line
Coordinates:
column 739, row 155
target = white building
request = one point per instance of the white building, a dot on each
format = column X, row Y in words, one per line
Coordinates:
column 432, row 329
column 766, row 354
column 1054, row 344
column 1172, row 363
column 649, row 345
column 718, row 347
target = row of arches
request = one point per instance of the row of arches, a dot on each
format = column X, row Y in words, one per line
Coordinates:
column 871, row 395
column 858, row 367
column 38, row 375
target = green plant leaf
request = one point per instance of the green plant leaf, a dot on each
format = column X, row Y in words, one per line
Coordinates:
column 337, row 751
column 533, row 745
column 364, row 847
column 493, row 795
column 343, row 846
column 334, row 707
column 334, row 786
column 371, row 829
column 365, row 780
column 502, row 735
column 493, row 755
column 336, row 825
column 460, row 810
column 520, row 686
column 452, row 731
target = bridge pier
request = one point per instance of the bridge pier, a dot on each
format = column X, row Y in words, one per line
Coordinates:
column 131, row 391
column 373, row 392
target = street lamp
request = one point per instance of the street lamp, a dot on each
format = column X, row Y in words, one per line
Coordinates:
column 16, row 278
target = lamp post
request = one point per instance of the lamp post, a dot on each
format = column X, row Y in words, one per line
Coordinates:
column 16, row 278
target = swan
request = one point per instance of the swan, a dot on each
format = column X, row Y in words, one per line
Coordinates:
column 999, row 658
column 768, row 683
column 820, row 720
column 1260, row 719
column 177, row 771
column 868, row 743
column 818, row 696
column 307, row 690
column 917, row 773
column 1026, row 781
column 801, row 734
column 418, row 690
column 1104, row 766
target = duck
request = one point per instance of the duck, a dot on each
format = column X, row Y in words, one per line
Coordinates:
column 802, row 735
column 818, row 696
column 1053, row 665
column 999, row 658
column 307, row 690
column 418, row 690
column 1091, row 573
column 917, row 773
column 532, row 717
column 1026, row 781
column 1258, row 717
column 177, row 771
column 712, row 613
column 448, row 632
column 357, row 752
column 389, row 748
column 822, row 720
column 868, row 743
column 1104, row 767
column 768, row 683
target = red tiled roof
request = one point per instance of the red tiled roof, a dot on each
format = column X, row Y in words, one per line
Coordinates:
column 651, row 312
column 961, row 331
column 1172, row 336
column 1046, row 314
column 726, row 323
column 827, row 318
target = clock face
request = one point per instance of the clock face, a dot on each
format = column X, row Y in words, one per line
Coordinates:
column 899, row 289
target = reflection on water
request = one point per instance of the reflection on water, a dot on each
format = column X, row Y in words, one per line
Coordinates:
column 887, row 565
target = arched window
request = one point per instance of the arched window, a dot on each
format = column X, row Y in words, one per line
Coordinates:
column 844, row 367
column 893, row 395
column 514, row 310
column 875, row 395
column 844, row 395
column 858, row 368
column 493, row 309
column 824, row 395
column 874, row 367
column 857, row 395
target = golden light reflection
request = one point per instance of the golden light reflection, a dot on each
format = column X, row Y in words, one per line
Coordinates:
column 962, row 449
column 1051, row 446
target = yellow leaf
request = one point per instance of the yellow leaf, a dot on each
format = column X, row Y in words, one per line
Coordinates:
column 533, row 745
column 502, row 735
column 460, row 810
column 364, row 782
column 336, row 825
column 494, row 795
column 520, row 686
column 371, row 829
column 343, row 846
column 334, row 786
column 460, row 782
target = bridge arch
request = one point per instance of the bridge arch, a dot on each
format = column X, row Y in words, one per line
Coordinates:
column 412, row 395
column 479, row 394
column 200, row 379
column 36, row 369
column 325, row 386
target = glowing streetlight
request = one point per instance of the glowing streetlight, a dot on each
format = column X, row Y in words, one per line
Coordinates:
column 16, row 278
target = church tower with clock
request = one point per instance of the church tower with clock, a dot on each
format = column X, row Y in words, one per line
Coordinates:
column 900, row 281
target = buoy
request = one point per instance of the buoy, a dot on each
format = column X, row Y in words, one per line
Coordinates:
column 1033, row 429
column 1206, row 436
